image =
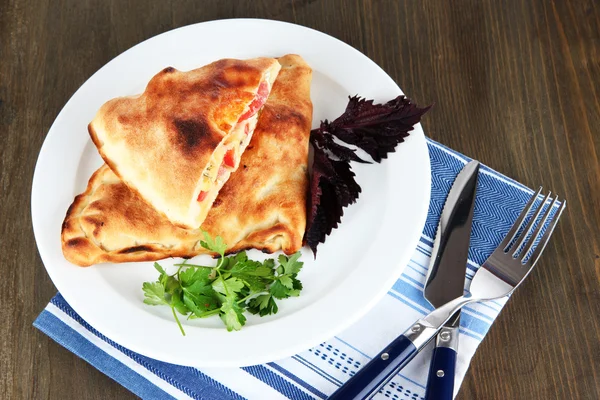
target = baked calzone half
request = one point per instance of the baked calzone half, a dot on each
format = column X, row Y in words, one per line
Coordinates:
column 177, row 143
column 261, row 206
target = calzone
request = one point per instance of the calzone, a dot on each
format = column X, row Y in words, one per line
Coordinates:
column 262, row 205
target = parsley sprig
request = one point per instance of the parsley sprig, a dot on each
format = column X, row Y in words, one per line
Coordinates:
column 234, row 285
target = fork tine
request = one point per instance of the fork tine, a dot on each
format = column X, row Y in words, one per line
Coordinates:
column 546, row 237
column 538, row 229
column 519, row 222
column 524, row 236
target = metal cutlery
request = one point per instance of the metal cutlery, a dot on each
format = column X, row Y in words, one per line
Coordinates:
column 445, row 278
column 499, row 276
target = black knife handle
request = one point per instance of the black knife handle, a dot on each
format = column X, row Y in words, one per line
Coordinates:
column 379, row 371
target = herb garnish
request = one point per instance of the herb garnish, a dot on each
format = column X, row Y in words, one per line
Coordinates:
column 375, row 128
column 234, row 285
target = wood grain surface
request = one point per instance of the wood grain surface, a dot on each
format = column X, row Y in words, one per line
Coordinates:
column 516, row 84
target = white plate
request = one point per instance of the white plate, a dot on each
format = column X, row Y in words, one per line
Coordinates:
column 355, row 267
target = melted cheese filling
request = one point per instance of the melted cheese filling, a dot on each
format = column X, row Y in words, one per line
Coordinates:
column 237, row 141
column 216, row 172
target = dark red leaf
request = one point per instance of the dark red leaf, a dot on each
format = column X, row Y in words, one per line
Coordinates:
column 375, row 128
column 332, row 188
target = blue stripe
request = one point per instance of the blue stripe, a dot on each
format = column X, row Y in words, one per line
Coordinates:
column 353, row 348
column 486, row 304
column 482, row 315
column 416, row 282
column 299, row 381
column 317, row 370
column 73, row 341
column 474, row 324
column 411, row 381
column 412, row 293
column 416, row 270
column 426, row 241
column 424, row 253
column 394, row 295
column 419, row 264
column 187, row 379
column 462, row 331
column 425, row 250
column 278, row 383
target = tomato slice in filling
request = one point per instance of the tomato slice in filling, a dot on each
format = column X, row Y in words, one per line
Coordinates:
column 229, row 159
column 258, row 102
column 202, row 195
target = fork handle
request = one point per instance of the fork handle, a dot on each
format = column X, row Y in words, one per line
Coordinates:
column 379, row 371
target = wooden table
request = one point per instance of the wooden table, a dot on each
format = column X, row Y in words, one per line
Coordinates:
column 516, row 84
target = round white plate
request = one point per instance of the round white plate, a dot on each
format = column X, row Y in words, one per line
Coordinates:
column 356, row 266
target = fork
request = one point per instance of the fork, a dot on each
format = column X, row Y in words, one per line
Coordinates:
column 499, row 276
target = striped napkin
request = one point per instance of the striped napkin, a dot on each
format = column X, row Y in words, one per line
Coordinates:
column 318, row 372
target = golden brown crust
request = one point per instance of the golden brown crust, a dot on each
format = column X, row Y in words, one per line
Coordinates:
column 160, row 141
column 262, row 206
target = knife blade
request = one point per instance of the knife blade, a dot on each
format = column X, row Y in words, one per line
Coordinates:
column 446, row 277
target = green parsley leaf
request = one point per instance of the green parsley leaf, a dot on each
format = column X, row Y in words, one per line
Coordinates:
column 297, row 287
column 171, row 284
column 217, row 245
column 240, row 257
column 228, row 286
column 250, row 268
column 199, row 304
column 253, row 274
column 269, row 263
column 190, row 275
column 255, row 284
column 278, row 290
column 154, row 293
column 260, row 302
column 191, row 305
column 178, row 303
column 232, row 315
column 159, row 268
column 263, row 305
column 286, row 281
column 202, row 295
column 291, row 265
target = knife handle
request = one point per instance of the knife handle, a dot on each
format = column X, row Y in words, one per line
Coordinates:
column 379, row 371
column 440, row 383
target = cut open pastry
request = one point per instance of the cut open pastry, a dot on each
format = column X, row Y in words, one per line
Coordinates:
column 177, row 143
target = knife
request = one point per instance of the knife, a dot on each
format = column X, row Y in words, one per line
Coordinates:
column 385, row 365
column 445, row 278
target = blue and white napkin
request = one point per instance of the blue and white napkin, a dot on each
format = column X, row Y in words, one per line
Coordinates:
column 318, row 372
